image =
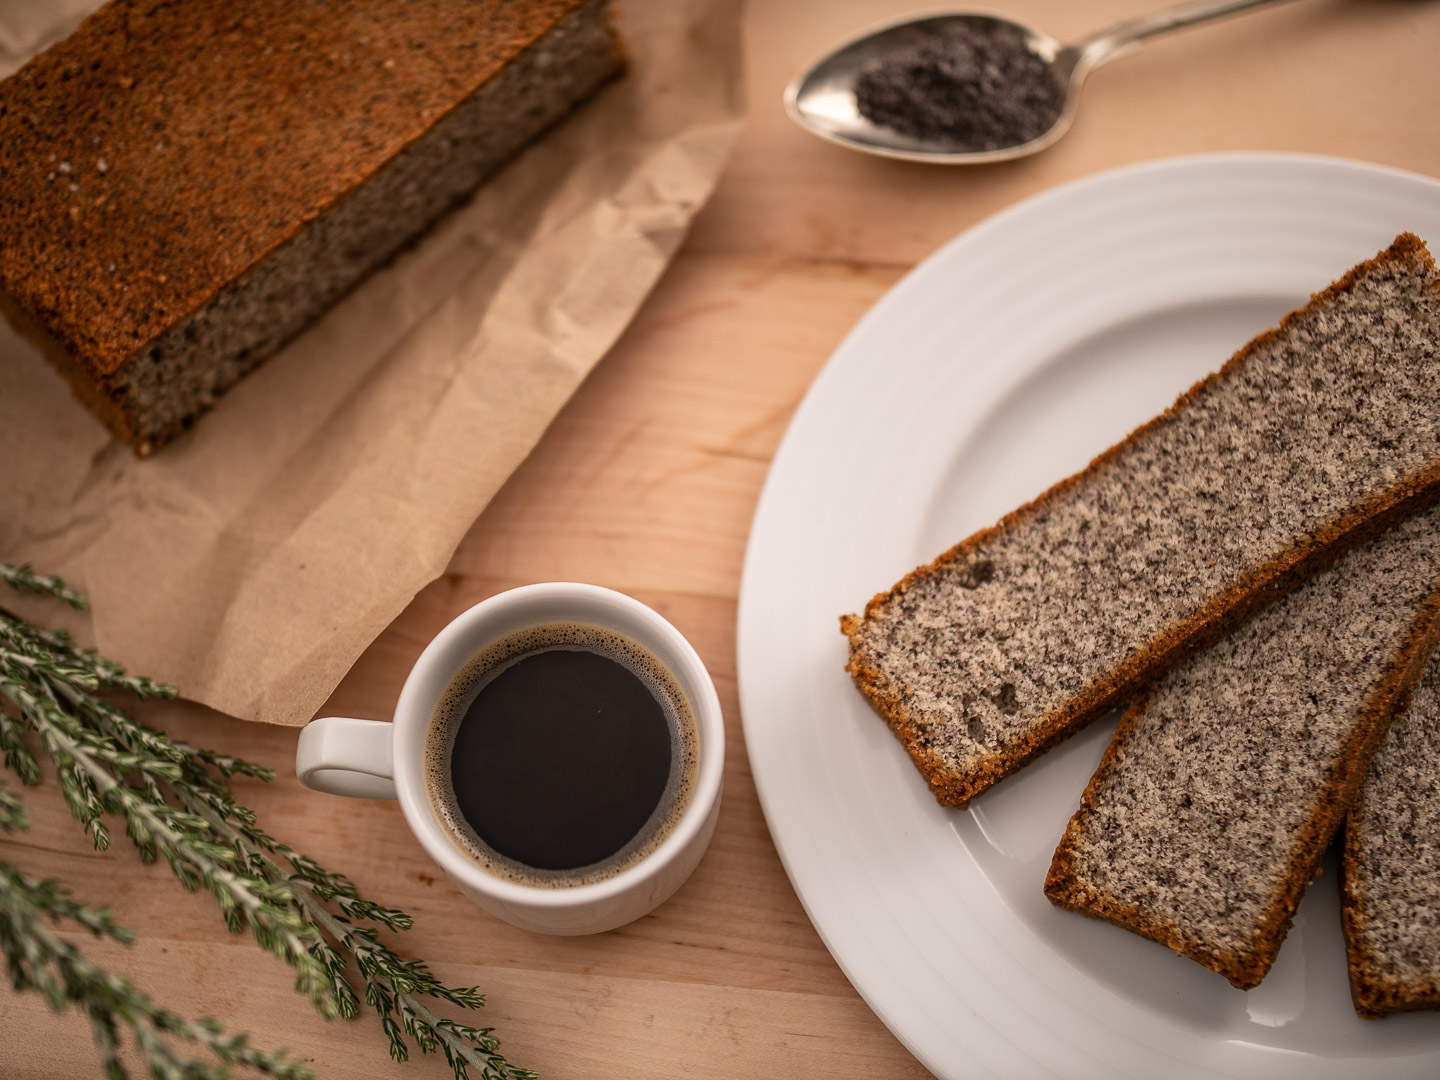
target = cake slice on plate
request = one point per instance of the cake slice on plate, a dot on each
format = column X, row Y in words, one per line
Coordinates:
column 1225, row 783
column 1390, row 865
column 1313, row 437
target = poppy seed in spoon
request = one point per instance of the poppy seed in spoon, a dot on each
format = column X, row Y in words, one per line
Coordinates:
column 969, row 88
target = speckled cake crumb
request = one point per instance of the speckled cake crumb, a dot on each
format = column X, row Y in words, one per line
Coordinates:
column 1391, row 865
column 1223, row 786
column 1311, row 438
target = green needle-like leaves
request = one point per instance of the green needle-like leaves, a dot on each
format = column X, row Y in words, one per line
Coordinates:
column 176, row 805
column 23, row 578
column 38, row 959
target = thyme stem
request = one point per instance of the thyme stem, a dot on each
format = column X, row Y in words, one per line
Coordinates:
column 176, row 803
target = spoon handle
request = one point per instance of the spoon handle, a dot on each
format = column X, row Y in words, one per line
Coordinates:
column 1121, row 37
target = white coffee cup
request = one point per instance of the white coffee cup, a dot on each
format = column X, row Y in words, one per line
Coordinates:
column 378, row 760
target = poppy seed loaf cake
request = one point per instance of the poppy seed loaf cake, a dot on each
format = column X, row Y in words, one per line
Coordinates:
column 1313, row 437
column 1390, row 865
column 1225, row 783
column 185, row 186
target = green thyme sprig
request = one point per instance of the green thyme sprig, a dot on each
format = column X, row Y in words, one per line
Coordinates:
column 25, row 579
column 176, row 804
column 52, row 687
column 38, row 959
column 393, row 987
column 14, row 814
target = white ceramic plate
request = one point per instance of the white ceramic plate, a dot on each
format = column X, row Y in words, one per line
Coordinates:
column 1002, row 364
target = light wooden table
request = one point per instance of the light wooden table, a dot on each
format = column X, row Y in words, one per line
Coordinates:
column 646, row 483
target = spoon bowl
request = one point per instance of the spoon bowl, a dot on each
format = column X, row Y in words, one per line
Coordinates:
column 822, row 98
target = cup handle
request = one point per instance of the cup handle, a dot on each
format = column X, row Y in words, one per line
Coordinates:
column 343, row 756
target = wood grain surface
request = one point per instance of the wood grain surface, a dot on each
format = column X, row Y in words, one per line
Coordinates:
column 646, row 483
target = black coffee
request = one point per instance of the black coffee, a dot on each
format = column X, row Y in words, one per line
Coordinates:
column 561, row 755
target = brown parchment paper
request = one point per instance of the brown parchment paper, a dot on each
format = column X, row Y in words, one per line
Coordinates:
column 252, row 561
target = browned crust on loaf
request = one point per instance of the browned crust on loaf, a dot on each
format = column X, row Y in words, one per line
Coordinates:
column 1374, row 994
column 1217, row 618
column 181, row 212
column 1332, row 802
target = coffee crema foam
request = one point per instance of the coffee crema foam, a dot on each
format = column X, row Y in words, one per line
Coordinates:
column 484, row 667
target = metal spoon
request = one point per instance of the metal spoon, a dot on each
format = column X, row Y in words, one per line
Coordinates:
column 822, row 99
